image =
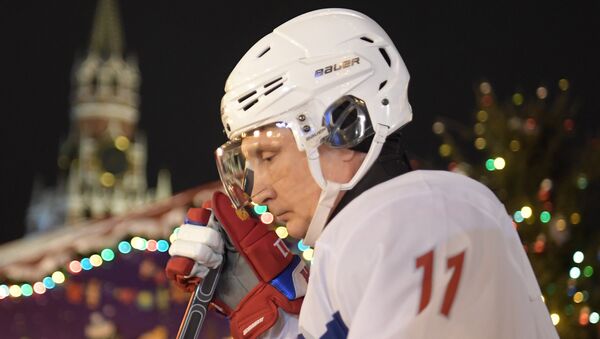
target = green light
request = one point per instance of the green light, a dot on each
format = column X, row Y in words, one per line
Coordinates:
column 545, row 217
column 26, row 290
column 569, row 309
column 588, row 271
column 489, row 165
column 582, row 182
column 517, row 99
column 107, row 254
column 260, row 209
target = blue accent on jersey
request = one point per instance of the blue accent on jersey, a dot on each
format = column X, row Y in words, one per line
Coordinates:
column 191, row 222
column 284, row 282
column 336, row 328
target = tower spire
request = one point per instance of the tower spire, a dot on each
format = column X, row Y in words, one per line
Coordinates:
column 107, row 33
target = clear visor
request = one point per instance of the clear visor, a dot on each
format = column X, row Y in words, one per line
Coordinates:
column 235, row 176
column 237, row 159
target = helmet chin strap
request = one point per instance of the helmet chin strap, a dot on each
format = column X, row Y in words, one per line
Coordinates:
column 330, row 189
column 319, row 219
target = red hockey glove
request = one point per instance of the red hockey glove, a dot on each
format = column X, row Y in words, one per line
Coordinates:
column 260, row 275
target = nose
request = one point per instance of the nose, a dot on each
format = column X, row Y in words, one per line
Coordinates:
column 262, row 191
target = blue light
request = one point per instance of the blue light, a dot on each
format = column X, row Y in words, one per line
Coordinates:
column 518, row 216
column 260, row 209
column 162, row 245
column 302, row 247
column 86, row 264
column 124, row 247
column 49, row 283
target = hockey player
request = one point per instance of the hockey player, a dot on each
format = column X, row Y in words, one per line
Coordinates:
column 313, row 112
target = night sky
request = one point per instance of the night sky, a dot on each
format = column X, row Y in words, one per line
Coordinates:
column 187, row 49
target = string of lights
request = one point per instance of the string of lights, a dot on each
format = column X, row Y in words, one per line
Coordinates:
column 74, row 267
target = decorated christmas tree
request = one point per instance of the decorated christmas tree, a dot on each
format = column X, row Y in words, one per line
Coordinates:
column 531, row 151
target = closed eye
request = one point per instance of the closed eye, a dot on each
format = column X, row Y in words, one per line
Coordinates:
column 267, row 156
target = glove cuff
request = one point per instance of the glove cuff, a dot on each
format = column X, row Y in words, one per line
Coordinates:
column 258, row 311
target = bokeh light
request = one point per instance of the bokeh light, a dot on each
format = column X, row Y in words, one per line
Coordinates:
column 107, row 254
column 151, row 245
column 26, row 290
column 526, row 212
column 58, row 277
column 162, row 245
column 15, row 291
column 308, row 254
column 574, row 273
column 594, row 317
column 499, row 163
column 86, row 264
column 282, row 232
column 260, row 209
column 267, row 218
column 75, row 266
column 578, row 257
column 96, row 260
column 124, row 247
column 48, row 282
column 545, row 217
column 39, row 287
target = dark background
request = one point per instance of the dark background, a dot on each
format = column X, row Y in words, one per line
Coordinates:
column 187, row 49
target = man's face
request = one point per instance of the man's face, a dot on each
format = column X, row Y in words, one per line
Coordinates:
column 282, row 179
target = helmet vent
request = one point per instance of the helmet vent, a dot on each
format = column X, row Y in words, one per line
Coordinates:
column 272, row 82
column 274, row 88
column 366, row 39
column 264, row 52
column 385, row 56
column 381, row 85
column 247, row 107
column 240, row 100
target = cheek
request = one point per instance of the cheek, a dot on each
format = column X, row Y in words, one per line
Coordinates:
column 297, row 226
column 298, row 188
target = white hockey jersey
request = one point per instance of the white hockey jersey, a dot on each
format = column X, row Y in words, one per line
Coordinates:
column 428, row 254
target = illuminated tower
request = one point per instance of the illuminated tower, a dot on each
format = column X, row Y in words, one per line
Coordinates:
column 103, row 159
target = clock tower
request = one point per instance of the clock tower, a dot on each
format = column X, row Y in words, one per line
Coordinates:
column 103, row 160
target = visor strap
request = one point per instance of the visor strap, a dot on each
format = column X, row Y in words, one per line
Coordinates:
column 381, row 132
column 315, row 168
column 324, row 207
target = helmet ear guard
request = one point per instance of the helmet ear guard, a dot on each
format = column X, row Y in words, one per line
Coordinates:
column 347, row 121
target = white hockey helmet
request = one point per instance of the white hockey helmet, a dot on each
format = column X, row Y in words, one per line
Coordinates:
column 331, row 76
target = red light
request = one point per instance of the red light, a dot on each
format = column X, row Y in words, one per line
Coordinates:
column 569, row 124
column 266, row 218
column 75, row 266
column 151, row 245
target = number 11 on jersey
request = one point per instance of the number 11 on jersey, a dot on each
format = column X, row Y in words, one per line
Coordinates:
column 426, row 263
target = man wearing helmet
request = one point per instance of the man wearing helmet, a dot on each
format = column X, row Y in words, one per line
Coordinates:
column 313, row 113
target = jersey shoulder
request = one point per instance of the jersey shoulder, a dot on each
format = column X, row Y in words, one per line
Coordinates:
column 424, row 185
column 418, row 204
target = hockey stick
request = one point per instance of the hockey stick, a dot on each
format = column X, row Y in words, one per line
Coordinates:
column 198, row 306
